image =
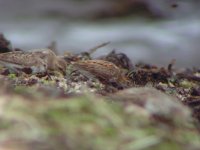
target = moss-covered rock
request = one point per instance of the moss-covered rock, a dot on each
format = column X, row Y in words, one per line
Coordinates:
column 86, row 122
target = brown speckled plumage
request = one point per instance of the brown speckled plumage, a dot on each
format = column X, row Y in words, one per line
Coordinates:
column 39, row 60
column 99, row 68
column 104, row 70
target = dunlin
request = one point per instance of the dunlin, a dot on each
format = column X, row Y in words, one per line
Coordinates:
column 103, row 70
column 35, row 61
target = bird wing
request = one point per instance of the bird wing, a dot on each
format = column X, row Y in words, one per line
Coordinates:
column 18, row 58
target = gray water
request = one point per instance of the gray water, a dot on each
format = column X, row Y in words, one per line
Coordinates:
column 150, row 41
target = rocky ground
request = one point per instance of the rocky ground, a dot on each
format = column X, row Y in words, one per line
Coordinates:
column 142, row 106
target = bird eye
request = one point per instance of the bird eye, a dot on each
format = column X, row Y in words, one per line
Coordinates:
column 174, row 5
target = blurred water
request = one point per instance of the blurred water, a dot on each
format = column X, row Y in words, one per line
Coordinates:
column 151, row 41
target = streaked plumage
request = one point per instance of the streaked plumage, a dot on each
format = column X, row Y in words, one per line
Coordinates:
column 104, row 70
column 100, row 68
column 38, row 60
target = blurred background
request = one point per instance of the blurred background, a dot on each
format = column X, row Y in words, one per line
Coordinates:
column 152, row 31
